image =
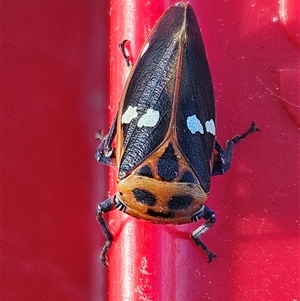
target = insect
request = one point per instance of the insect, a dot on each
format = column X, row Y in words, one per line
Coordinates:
column 164, row 131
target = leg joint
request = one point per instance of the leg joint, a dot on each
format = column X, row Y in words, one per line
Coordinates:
column 106, row 206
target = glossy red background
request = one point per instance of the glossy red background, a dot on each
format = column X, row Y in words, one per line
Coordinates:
column 55, row 91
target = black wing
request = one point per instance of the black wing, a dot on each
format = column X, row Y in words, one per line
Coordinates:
column 196, row 106
column 145, row 114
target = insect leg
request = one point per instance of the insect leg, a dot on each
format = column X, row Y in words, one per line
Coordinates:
column 210, row 218
column 224, row 156
column 104, row 207
column 105, row 153
column 123, row 51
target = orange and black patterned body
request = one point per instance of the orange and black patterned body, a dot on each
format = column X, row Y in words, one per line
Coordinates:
column 165, row 124
column 163, row 189
column 164, row 130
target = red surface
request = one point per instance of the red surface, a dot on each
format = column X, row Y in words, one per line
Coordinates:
column 55, row 97
column 55, row 92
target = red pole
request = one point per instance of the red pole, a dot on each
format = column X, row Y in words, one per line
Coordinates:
column 135, row 262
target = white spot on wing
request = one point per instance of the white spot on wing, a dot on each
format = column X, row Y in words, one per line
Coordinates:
column 194, row 124
column 210, row 127
column 150, row 118
column 145, row 49
column 130, row 114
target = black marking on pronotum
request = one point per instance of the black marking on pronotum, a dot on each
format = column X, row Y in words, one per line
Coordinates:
column 180, row 202
column 160, row 214
column 187, row 178
column 145, row 171
column 145, row 197
column 167, row 167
